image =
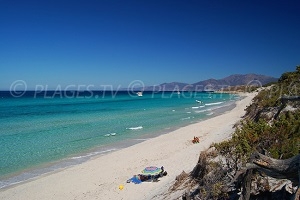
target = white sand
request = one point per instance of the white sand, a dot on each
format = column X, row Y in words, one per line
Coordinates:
column 100, row 178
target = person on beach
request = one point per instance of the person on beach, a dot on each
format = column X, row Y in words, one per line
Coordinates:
column 141, row 177
column 195, row 140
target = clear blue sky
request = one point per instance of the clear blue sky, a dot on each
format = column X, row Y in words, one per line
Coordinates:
column 117, row 41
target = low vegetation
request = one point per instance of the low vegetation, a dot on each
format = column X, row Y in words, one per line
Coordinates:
column 271, row 127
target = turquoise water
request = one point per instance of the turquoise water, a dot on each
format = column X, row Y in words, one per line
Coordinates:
column 37, row 132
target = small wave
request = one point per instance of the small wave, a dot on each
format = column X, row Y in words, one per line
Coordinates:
column 188, row 112
column 211, row 113
column 195, row 107
column 26, row 176
column 219, row 107
column 201, row 106
column 3, row 184
column 140, row 139
column 186, row 118
column 135, row 128
column 110, row 134
column 201, row 111
column 216, row 103
column 92, row 154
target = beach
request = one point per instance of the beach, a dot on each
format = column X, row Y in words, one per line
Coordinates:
column 100, row 177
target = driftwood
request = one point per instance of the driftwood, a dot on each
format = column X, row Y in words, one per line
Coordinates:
column 247, row 185
column 279, row 169
column 275, row 168
column 285, row 99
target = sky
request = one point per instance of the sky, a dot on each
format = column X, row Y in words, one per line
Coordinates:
column 58, row 43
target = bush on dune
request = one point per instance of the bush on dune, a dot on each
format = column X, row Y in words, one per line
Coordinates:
column 271, row 127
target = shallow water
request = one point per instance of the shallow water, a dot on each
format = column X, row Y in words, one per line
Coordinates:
column 40, row 134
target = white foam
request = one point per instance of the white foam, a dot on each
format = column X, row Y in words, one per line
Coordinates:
column 35, row 173
column 110, row 134
column 92, row 154
column 140, row 139
column 200, row 111
column 216, row 103
column 185, row 118
column 135, row 128
column 10, row 184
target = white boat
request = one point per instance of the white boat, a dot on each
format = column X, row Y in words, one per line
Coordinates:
column 198, row 101
column 139, row 94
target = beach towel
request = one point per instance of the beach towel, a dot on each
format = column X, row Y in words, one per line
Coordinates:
column 135, row 180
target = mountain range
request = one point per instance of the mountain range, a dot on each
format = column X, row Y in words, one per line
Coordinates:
column 215, row 84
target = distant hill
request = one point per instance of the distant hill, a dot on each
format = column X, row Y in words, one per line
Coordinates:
column 215, row 84
column 174, row 86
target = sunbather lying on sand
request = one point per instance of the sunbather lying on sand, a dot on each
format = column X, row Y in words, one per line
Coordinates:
column 141, row 177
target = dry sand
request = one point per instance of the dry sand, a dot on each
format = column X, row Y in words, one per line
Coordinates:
column 100, row 178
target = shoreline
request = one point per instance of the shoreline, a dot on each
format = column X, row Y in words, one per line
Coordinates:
column 100, row 176
column 76, row 159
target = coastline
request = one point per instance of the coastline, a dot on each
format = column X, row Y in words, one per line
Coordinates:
column 100, row 177
column 42, row 169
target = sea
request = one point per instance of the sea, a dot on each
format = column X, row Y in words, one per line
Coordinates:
column 44, row 132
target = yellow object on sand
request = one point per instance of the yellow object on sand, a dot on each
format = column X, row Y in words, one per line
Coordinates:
column 121, row 187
